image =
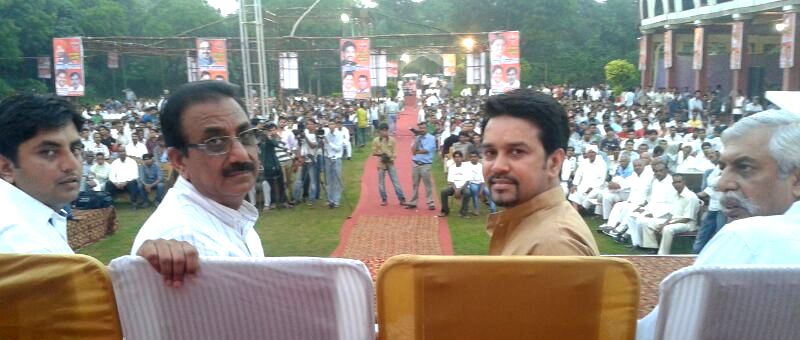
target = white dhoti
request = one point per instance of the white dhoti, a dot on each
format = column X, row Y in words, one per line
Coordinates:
column 584, row 199
column 609, row 199
column 650, row 230
column 620, row 212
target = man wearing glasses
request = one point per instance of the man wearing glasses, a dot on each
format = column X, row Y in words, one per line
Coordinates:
column 215, row 150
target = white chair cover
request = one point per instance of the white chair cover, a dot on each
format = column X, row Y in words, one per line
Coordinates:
column 246, row 298
column 730, row 302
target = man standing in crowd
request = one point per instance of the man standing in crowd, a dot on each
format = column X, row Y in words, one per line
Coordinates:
column 422, row 150
column 392, row 108
column 40, row 167
column 334, row 147
column 760, row 186
column 215, row 150
column 124, row 175
column 150, row 179
column 384, row 147
column 524, row 142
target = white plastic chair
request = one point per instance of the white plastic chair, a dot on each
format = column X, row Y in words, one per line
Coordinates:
column 246, row 298
column 730, row 302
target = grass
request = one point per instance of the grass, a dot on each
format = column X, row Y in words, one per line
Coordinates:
column 301, row 231
column 314, row 231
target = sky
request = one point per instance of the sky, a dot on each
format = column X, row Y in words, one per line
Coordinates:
column 226, row 6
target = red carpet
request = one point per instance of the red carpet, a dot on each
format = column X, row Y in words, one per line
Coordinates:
column 375, row 233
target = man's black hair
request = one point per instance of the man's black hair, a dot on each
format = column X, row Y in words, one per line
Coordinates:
column 537, row 108
column 22, row 117
column 347, row 44
column 187, row 95
column 458, row 153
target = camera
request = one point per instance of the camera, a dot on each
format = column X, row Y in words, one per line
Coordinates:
column 319, row 132
column 386, row 159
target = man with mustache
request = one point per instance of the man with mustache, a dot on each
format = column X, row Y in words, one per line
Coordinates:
column 760, row 186
column 525, row 136
column 40, row 168
column 214, row 148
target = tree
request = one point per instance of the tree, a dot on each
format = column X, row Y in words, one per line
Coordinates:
column 620, row 74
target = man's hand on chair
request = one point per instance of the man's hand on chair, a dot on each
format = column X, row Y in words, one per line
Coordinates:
column 172, row 259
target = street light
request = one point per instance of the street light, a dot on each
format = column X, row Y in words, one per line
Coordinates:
column 468, row 43
column 780, row 26
column 405, row 58
column 345, row 18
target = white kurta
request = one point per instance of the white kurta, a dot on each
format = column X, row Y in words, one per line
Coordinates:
column 214, row 229
column 684, row 207
column 590, row 176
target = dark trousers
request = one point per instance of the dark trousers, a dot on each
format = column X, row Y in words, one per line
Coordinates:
column 711, row 225
column 132, row 187
column 466, row 194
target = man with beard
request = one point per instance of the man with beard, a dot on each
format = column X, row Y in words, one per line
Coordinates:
column 760, row 185
column 215, row 150
column 524, row 143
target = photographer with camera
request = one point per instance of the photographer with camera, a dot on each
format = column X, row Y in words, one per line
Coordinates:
column 422, row 151
column 271, row 177
column 308, row 171
column 383, row 147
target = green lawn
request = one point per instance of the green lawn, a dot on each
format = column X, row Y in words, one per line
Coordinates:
column 314, row 231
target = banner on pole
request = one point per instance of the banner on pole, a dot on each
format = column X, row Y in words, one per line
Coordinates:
column 449, row 64
column 355, row 59
column 668, row 49
column 378, row 69
column 113, row 60
column 391, row 69
column 787, row 40
column 504, row 58
column 737, row 35
column 68, row 54
column 289, row 70
column 699, row 43
column 43, row 67
column 476, row 68
column 212, row 59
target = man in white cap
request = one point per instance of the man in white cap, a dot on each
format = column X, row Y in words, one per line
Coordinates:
column 590, row 179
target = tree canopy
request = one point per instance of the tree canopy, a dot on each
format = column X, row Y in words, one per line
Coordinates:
column 565, row 41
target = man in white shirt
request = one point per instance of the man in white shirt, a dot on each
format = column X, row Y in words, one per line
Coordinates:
column 477, row 184
column 99, row 147
column 619, row 188
column 100, row 172
column 214, row 148
column 458, row 177
column 334, row 147
column 639, row 184
column 590, row 178
column 662, row 194
column 124, row 175
column 135, row 149
column 681, row 218
column 761, row 193
column 40, row 168
column 568, row 168
column 86, row 139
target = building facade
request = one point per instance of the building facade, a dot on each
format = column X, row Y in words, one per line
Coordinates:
column 727, row 45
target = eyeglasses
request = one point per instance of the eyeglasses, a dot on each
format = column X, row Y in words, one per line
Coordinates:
column 221, row 145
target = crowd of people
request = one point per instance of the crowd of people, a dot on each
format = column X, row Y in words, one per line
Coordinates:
column 544, row 157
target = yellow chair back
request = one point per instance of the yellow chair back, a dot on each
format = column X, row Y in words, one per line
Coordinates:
column 56, row 297
column 507, row 297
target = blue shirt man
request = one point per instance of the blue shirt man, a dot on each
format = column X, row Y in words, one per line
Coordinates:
column 150, row 178
column 423, row 149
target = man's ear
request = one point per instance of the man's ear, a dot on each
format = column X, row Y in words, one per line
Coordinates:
column 795, row 184
column 7, row 169
column 178, row 160
column 556, row 160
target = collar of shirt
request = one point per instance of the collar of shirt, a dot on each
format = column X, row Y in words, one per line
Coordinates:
column 34, row 214
column 513, row 216
column 239, row 219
